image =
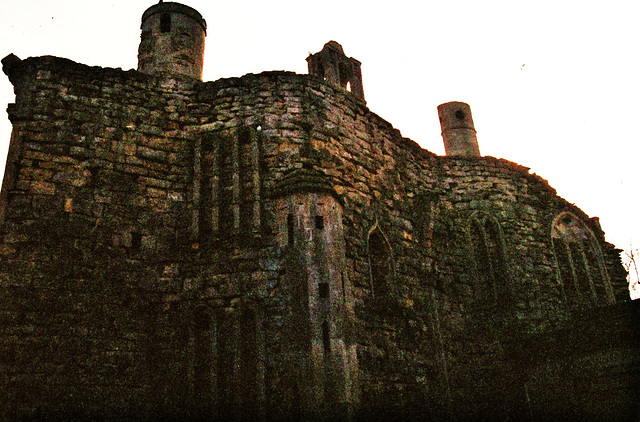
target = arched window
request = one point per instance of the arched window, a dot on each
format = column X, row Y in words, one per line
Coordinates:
column 489, row 256
column 380, row 262
column 580, row 265
column 345, row 76
column 321, row 72
column 326, row 338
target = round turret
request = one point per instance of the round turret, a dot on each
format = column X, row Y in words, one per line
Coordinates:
column 172, row 40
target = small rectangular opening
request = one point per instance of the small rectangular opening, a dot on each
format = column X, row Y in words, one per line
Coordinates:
column 319, row 222
column 136, row 241
column 165, row 23
column 326, row 337
column 290, row 228
column 324, row 290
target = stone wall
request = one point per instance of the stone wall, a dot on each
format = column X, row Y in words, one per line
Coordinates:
column 143, row 267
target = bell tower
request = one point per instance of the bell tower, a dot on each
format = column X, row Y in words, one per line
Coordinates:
column 333, row 66
column 172, row 40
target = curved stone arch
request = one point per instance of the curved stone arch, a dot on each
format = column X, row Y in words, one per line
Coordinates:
column 580, row 267
column 380, row 256
column 488, row 249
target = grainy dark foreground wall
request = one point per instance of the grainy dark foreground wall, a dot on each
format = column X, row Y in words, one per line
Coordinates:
column 266, row 247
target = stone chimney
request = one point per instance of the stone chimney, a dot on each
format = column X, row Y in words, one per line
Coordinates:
column 458, row 132
column 172, row 40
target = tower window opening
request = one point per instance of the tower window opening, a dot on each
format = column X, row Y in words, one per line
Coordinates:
column 345, row 76
column 460, row 115
column 165, row 23
column 319, row 222
column 244, row 136
column 321, row 72
column 324, row 290
column 136, row 241
column 326, row 339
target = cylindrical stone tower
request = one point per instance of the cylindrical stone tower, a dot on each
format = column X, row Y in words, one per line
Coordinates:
column 172, row 40
column 458, row 132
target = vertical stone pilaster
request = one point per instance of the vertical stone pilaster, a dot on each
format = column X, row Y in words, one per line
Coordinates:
column 236, row 184
column 215, row 186
column 196, row 189
column 255, row 181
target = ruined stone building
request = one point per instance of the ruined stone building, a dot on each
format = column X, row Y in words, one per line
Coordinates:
column 266, row 247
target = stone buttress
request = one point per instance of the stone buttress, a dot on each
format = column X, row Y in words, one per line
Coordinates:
column 309, row 218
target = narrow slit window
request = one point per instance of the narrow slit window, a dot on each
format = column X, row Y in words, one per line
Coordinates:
column 345, row 76
column 324, row 290
column 244, row 136
column 326, row 338
column 165, row 23
column 319, row 222
column 380, row 262
column 322, row 73
column 136, row 241
column 290, row 229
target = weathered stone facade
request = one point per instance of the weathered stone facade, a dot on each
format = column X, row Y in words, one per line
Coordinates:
column 267, row 247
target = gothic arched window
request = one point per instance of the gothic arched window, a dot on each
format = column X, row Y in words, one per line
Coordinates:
column 345, row 76
column 489, row 256
column 321, row 72
column 581, row 270
column 380, row 262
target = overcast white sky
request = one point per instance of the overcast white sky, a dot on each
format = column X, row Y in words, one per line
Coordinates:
column 552, row 84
